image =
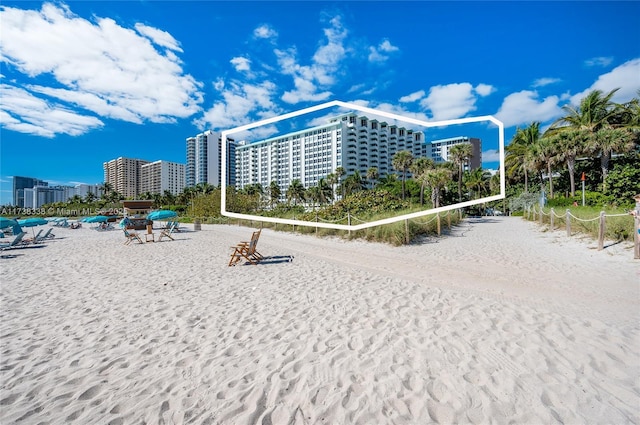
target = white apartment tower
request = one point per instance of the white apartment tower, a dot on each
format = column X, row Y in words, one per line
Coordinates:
column 204, row 159
column 438, row 150
column 124, row 176
column 353, row 142
column 161, row 176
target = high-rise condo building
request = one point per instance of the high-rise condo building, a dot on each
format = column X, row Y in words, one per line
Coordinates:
column 161, row 176
column 350, row 141
column 124, row 175
column 355, row 143
column 20, row 184
column 204, row 159
column 439, row 150
column 40, row 195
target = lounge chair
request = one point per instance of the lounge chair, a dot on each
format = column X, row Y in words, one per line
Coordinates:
column 247, row 250
column 167, row 232
column 47, row 235
column 131, row 236
column 17, row 242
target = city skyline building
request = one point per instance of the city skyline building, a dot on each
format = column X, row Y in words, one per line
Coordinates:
column 160, row 176
column 204, row 159
column 124, row 175
column 438, row 150
column 40, row 195
column 20, row 183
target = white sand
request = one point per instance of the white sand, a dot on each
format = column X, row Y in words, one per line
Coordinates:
column 497, row 323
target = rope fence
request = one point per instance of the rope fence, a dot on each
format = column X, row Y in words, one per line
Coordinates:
column 537, row 214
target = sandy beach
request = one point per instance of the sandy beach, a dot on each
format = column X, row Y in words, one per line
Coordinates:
column 499, row 322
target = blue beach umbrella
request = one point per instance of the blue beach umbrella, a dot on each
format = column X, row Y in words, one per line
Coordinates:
column 96, row 219
column 161, row 214
column 7, row 222
column 32, row 222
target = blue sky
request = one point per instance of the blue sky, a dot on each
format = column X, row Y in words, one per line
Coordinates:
column 87, row 82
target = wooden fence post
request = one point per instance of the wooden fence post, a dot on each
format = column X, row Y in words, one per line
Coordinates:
column 541, row 216
column 349, row 221
column 636, row 238
column 316, row 226
column 568, row 221
column 438, row 224
column 601, row 232
column 551, row 218
column 406, row 232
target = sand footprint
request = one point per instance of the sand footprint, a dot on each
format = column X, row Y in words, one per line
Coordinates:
column 90, row 393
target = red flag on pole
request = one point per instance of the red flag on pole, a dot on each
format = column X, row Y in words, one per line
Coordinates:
column 583, row 178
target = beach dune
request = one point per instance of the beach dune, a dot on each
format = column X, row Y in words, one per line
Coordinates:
column 498, row 322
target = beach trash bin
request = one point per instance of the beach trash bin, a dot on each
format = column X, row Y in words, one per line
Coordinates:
column 197, row 225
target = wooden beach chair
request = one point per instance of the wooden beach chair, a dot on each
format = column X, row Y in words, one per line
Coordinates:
column 247, row 250
column 131, row 236
column 167, row 232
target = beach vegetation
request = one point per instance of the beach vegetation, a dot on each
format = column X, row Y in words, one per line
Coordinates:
column 595, row 145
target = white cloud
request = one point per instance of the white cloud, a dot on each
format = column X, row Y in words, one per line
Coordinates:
column 241, row 64
column 413, row 96
column 381, row 52
column 22, row 112
column 525, row 107
column 602, row 61
column 115, row 72
column 241, row 103
column 484, row 89
column 491, row 155
column 159, row 37
column 452, row 100
column 392, row 109
column 311, row 81
column 541, row 82
column 264, row 31
column 626, row 77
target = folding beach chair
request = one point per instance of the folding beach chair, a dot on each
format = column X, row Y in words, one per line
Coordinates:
column 247, row 250
column 131, row 236
column 17, row 242
column 167, row 232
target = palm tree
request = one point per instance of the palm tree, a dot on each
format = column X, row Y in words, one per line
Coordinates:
column 477, row 181
column 436, row 178
column 401, row 161
column 90, row 197
column 296, row 192
column 546, row 153
column 419, row 166
column 340, row 171
column 74, row 200
column 372, row 175
column 168, row 198
column 274, row 192
column 313, row 195
column 204, row 188
column 595, row 113
column 607, row 141
column 106, row 188
column 460, row 154
column 569, row 145
column 352, row 183
column 388, row 181
column 326, row 192
column 520, row 152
